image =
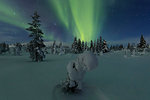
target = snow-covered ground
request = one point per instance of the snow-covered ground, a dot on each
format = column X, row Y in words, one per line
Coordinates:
column 116, row 78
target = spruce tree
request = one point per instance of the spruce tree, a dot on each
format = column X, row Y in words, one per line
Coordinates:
column 79, row 46
column 54, row 48
column 86, row 46
column 142, row 43
column 75, row 45
column 94, row 48
column 129, row 46
column 60, row 45
column 98, row 46
column 101, row 44
column 4, row 47
column 83, row 47
column 120, row 46
column 36, row 44
column 54, row 44
column 105, row 48
column 91, row 46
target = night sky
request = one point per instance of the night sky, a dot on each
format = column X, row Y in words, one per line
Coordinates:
column 115, row 20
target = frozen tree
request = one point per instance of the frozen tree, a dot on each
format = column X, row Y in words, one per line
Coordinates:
column 60, row 45
column 76, row 70
column 91, row 46
column 94, row 48
column 98, row 46
column 4, row 48
column 129, row 46
column 83, row 46
column 142, row 43
column 61, row 49
column 75, row 46
column 104, row 48
column 132, row 50
column 54, row 48
column 18, row 48
column 79, row 47
column 14, row 51
column 101, row 44
column 36, row 44
column 133, row 53
column 121, row 47
column 86, row 46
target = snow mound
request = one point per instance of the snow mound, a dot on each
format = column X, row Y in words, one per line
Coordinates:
column 89, row 60
column 76, row 69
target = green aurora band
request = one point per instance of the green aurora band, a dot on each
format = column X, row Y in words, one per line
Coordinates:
column 8, row 15
column 84, row 18
column 11, row 16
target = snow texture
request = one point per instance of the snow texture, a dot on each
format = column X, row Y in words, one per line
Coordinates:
column 115, row 78
column 77, row 69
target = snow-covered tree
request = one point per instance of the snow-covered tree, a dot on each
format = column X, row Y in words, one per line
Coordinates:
column 4, row 48
column 14, row 51
column 79, row 46
column 91, row 46
column 76, row 70
column 75, row 46
column 105, row 47
column 132, row 50
column 18, row 48
column 101, row 44
column 142, row 43
column 98, row 46
column 86, row 46
column 61, row 49
column 129, row 46
column 36, row 44
column 83, row 46
column 120, row 46
column 94, row 48
column 54, row 48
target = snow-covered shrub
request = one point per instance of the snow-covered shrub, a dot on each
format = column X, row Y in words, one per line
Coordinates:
column 76, row 70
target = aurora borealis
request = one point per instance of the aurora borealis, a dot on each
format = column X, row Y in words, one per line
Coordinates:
column 86, row 19
column 10, row 16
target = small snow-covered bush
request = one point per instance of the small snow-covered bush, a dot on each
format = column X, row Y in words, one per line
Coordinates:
column 76, row 70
